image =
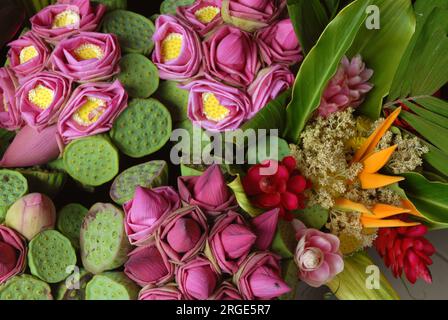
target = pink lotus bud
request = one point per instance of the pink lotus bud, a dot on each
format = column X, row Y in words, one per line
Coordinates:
column 203, row 16
column 57, row 22
column 178, row 236
column 279, row 44
column 231, row 55
column 226, row 292
column 32, row 148
column 92, row 109
column 41, row 99
column 208, row 191
column 147, row 211
column 167, row 292
column 149, row 266
column 265, row 227
column 31, row 215
column 12, row 254
column 9, row 114
column 28, row 55
column 259, row 277
column 87, row 57
column 177, row 53
column 197, row 279
column 268, row 85
column 217, row 107
column 317, row 255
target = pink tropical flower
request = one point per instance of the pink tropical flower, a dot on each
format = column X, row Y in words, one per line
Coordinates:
column 67, row 18
column 226, row 291
column 217, row 107
column 317, row 255
column 203, row 16
column 87, row 57
column 269, row 83
column 12, row 254
column 279, row 44
column 28, row 55
column 167, row 292
column 41, row 99
column 177, row 53
column 348, row 88
column 92, row 109
column 9, row 114
column 147, row 210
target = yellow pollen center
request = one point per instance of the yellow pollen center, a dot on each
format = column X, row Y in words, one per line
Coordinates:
column 212, row 108
column 207, row 14
column 41, row 96
column 89, row 51
column 90, row 112
column 172, row 46
column 65, row 19
column 27, row 54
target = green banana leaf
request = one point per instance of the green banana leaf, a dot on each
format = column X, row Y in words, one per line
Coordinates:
column 428, row 115
column 437, row 159
column 433, row 104
column 350, row 284
column 242, row 199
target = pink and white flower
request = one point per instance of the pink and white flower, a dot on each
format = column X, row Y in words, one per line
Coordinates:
column 203, row 16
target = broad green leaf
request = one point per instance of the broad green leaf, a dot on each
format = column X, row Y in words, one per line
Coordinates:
column 290, row 275
column 242, row 199
column 187, row 171
column 433, row 104
column 285, row 241
column 428, row 115
column 320, row 66
column 383, row 49
column 313, row 217
column 437, row 159
column 353, row 283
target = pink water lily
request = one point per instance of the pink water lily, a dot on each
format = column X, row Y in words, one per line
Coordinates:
column 226, row 291
column 203, row 15
column 66, row 18
column 270, row 82
column 147, row 210
column 89, row 56
column 92, row 109
column 167, row 292
column 177, row 53
column 208, row 191
column 10, row 118
column 28, row 55
column 41, row 99
column 265, row 227
column 231, row 55
column 12, row 254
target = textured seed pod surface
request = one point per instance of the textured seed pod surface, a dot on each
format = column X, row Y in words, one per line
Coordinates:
column 111, row 286
column 25, row 287
column 70, row 220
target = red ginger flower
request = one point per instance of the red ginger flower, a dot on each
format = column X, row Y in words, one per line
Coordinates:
column 405, row 249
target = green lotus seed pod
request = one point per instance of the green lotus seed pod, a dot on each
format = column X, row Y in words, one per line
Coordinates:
column 104, row 244
column 289, row 275
column 50, row 255
column 134, row 31
column 74, row 288
column 44, row 181
column 92, row 161
column 25, row 287
column 13, row 186
column 56, row 165
column 174, row 98
column 113, row 4
column 313, row 217
column 285, row 241
column 170, row 6
column 143, row 128
column 138, row 75
column 70, row 219
column 147, row 175
column 111, row 286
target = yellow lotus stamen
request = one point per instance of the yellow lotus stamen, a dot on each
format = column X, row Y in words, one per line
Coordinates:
column 90, row 112
column 27, row 54
column 41, row 96
column 89, row 51
column 207, row 14
column 212, row 108
column 65, row 19
column 172, row 46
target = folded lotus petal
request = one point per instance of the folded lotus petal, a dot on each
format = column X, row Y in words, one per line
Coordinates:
column 9, row 113
column 184, row 235
column 32, row 148
column 167, row 292
column 226, row 291
column 265, row 226
column 12, row 254
column 202, row 16
column 266, row 284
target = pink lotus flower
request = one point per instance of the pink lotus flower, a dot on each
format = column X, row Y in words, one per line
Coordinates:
column 217, row 107
column 41, row 99
column 177, row 52
column 208, row 191
column 149, row 266
column 87, row 57
column 348, row 88
column 203, row 16
column 259, row 277
column 167, row 292
column 183, row 234
column 147, row 211
column 269, row 83
column 317, row 255
column 12, row 254
column 32, row 148
column 28, row 55
column 226, row 291
column 251, row 15
column 92, row 109
column 9, row 114
column 265, row 227
column 57, row 22
column 231, row 55
column 197, row 279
